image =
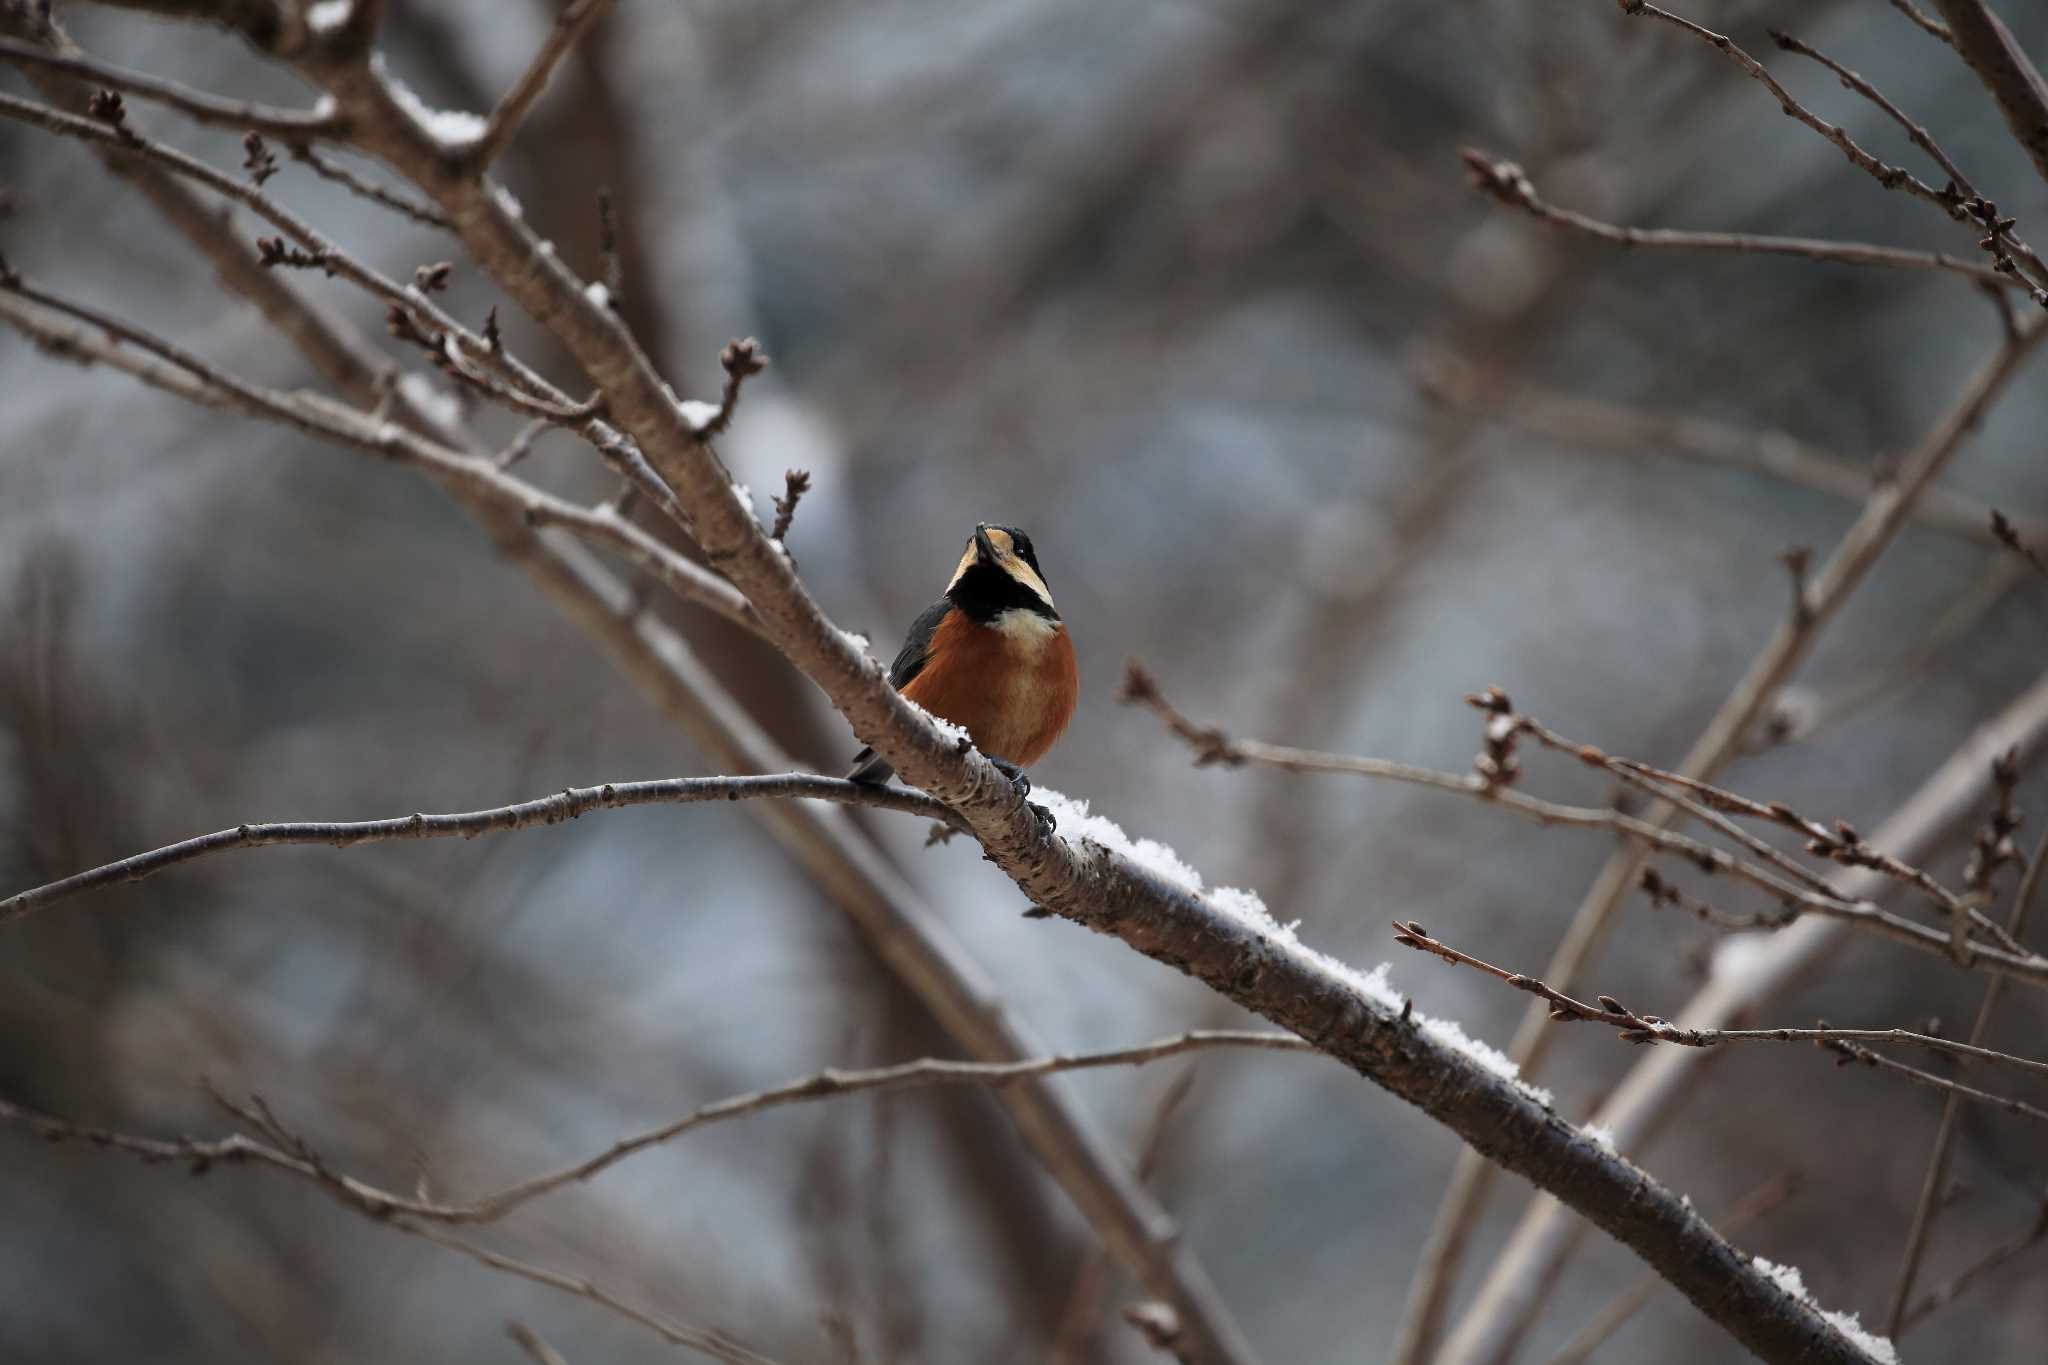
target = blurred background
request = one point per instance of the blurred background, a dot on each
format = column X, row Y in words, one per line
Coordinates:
column 1174, row 285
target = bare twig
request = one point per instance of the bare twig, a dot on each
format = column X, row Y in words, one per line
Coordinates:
column 1950, row 1290
column 795, row 483
column 529, row 1341
column 1508, row 183
column 1617, row 426
column 575, row 20
column 1212, row 745
column 741, row 360
column 330, row 170
column 240, row 115
column 1649, row 1028
column 1928, row 23
column 568, row 804
column 2008, row 535
column 921, row 1074
column 1944, row 1134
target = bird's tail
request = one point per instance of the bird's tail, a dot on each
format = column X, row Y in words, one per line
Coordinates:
column 869, row 766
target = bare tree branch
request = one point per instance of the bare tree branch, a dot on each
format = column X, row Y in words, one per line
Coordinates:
column 1999, row 61
column 568, row 804
column 576, row 18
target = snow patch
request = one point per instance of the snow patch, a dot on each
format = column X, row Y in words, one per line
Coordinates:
column 1244, row 906
column 1789, row 1279
column 450, row 127
column 1603, row 1138
column 437, row 405
column 697, row 414
column 598, row 294
column 329, row 15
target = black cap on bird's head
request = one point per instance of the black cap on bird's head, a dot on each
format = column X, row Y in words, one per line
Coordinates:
column 1000, row 573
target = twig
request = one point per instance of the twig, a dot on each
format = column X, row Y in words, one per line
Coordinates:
column 1649, row 1028
column 322, row 417
column 1615, row 426
column 795, row 483
column 921, row 1074
column 1889, row 176
column 571, row 24
column 1950, row 1290
column 529, row 1341
column 2008, row 535
column 2002, row 65
column 1212, row 745
column 1508, row 183
column 1951, row 1114
column 1851, row 81
column 309, row 156
column 240, row 115
column 1927, row 22
column 741, row 361
column 568, row 804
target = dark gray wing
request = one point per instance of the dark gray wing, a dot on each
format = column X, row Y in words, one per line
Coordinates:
column 869, row 766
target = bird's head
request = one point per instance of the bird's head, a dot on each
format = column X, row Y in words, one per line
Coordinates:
column 1000, row 573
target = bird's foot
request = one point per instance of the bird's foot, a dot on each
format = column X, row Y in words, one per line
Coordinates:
column 1016, row 775
column 1046, row 822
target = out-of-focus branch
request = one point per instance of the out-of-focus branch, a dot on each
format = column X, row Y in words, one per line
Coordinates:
column 1508, row 183
column 1889, row 176
column 2008, row 535
column 2002, row 65
column 321, row 417
column 1951, row 1113
column 1744, row 976
column 1579, row 420
column 568, row 804
column 576, row 18
column 1927, row 23
column 1946, row 1293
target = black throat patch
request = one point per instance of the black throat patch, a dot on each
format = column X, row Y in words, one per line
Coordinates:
column 985, row 592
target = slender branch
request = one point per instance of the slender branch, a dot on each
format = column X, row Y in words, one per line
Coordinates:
column 1928, row 23
column 333, row 171
column 1507, row 182
column 1649, row 1028
column 1951, row 1115
column 1214, row 746
column 1942, row 1295
column 568, row 804
column 537, row 1349
column 240, row 115
column 2008, row 535
column 1617, row 426
column 1486, row 1332
column 575, row 19
column 321, row 417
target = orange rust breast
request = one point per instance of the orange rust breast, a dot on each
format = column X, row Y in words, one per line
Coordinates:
column 1014, row 691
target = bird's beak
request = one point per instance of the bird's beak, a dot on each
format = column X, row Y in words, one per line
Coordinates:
column 983, row 546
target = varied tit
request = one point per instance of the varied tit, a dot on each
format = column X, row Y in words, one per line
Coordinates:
column 991, row 656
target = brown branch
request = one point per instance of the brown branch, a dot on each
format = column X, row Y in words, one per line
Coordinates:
column 1609, row 1320
column 482, row 477
column 537, row 1350
column 567, row 804
column 333, row 171
column 1649, row 1028
column 239, row 115
column 1506, row 182
column 1212, row 745
column 1927, row 23
column 575, row 19
column 795, row 483
column 2002, row 65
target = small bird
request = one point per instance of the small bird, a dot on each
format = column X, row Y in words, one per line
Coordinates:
column 992, row 656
